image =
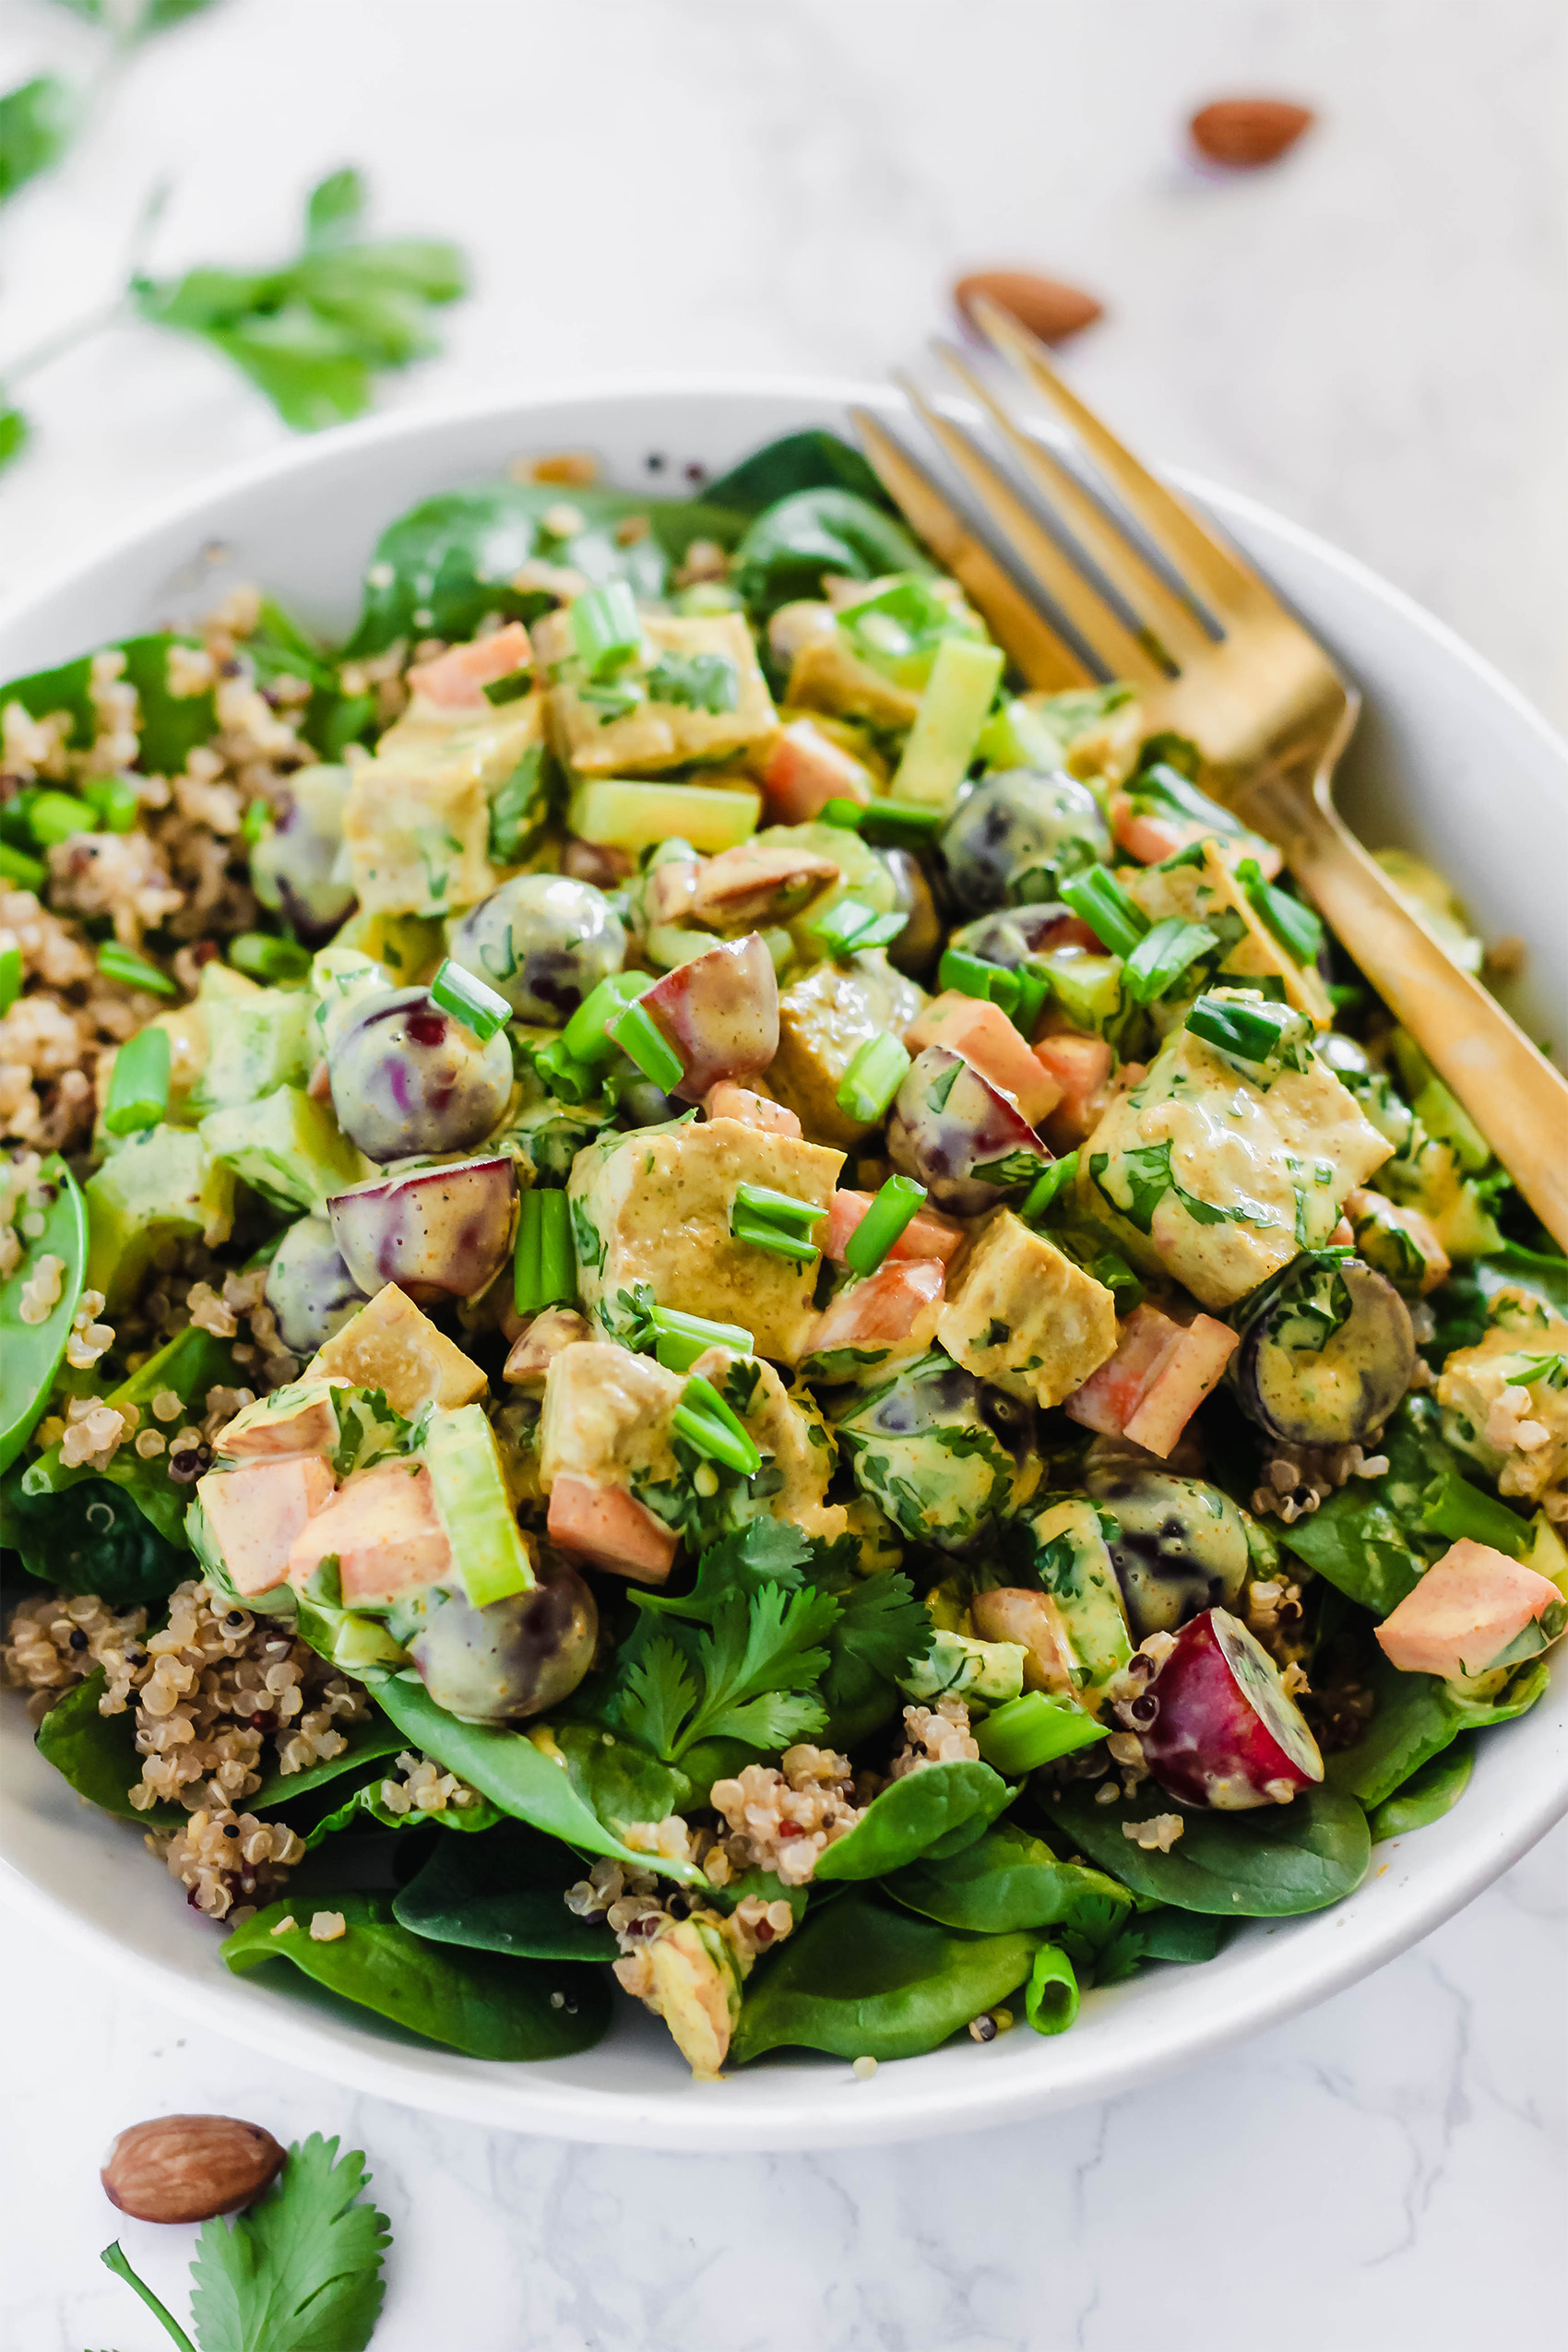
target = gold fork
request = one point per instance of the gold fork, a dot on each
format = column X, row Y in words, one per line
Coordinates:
column 1218, row 658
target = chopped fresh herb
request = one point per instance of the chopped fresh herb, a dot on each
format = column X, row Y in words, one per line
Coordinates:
column 606, row 630
column 973, row 976
column 509, row 689
column 139, row 1088
column 774, row 1221
column 1295, row 927
column 707, row 681
column 266, row 958
column 1056, row 1179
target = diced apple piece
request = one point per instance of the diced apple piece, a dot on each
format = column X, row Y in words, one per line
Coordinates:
column 385, row 1529
column 1019, row 1614
column 256, row 1513
column 391, row 1346
column 1468, row 1611
column 1080, row 1068
column 610, row 1528
column 925, row 1236
column 456, row 678
column 981, row 1032
column 806, row 769
column 1110, row 1396
column 437, row 1234
column 719, row 1012
column 301, row 1418
column 1183, row 1379
column 1226, row 1734
column 726, row 1101
column 880, row 1308
column 758, row 883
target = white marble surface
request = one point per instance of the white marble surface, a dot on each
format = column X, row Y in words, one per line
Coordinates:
column 1372, row 339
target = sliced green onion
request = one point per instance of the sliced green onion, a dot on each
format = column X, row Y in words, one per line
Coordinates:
column 10, row 977
column 114, row 799
column 1022, row 1734
column 774, row 1221
column 1050, row 1995
column 1044, row 1189
column 257, row 821
column 605, row 628
column 874, row 1075
column 263, row 958
column 679, row 1339
column 643, row 1043
column 1034, row 990
column 52, row 817
column 587, row 1035
column 16, row 866
column 512, row 688
column 117, row 963
column 1162, row 954
column 1296, row 929
column 139, row 1087
column 615, row 699
column 1116, row 921
column 847, row 815
column 974, row 976
column 470, row 1001
column 899, row 1200
column 568, row 1079
column 1111, row 1270
column 544, row 1264
column 705, row 1422
column 852, row 925
column 1252, row 1031
column 900, row 824
column 1458, row 1509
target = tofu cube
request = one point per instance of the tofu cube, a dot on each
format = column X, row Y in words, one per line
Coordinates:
column 658, row 735
column 417, row 820
column 1024, row 1316
column 390, row 1344
column 654, row 1206
column 824, row 1020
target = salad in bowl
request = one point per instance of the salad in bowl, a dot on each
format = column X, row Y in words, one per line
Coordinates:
column 701, row 1306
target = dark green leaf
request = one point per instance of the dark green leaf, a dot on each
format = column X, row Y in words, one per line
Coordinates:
column 172, row 725
column 502, row 1892
column 37, row 119
column 522, row 1779
column 791, row 548
column 334, row 206
column 474, row 2001
column 944, row 1807
column 1268, row 1863
column 862, row 1980
column 30, row 1353
column 301, row 2272
column 1368, row 1537
column 367, row 1742
column 91, row 1538
column 13, row 433
column 191, row 1365
column 1008, row 1879
column 367, row 1805
column 97, row 1754
column 811, row 460
column 1426, row 1795
column 1415, row 1717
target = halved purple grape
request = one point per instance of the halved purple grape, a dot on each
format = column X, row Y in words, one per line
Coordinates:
column 436, row 1232
column 407, row 1077
column 1227, row 1733
column 309, row 1288
column 719, row 1012
column 961, row 1137
column 1014, row 834
column 543, row 941
column 1329, row 1357
column 513, row 1658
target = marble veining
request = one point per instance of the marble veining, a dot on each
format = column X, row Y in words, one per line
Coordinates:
column 658, row 185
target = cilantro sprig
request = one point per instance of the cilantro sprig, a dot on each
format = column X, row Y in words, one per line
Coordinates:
column 301, row 2272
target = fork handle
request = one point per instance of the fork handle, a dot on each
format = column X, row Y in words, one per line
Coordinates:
column 1510, row 1089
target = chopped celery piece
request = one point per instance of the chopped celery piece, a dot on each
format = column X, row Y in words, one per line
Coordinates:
column 963, row 682
column 624, row 814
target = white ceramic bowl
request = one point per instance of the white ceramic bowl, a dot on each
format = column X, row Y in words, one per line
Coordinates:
column 1449, row 761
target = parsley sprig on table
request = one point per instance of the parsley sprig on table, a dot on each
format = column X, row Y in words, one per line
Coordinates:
column 301, row 2272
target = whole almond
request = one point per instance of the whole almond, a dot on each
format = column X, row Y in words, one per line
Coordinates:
column 187, row 2167
column 1245, row 133
column 1046, row 306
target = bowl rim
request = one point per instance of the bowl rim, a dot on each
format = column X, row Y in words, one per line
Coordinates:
column 902, row 2103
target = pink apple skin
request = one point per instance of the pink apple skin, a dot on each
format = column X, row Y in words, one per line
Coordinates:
column 721, row 1012
column 436, row 1232
column 1227, row 1735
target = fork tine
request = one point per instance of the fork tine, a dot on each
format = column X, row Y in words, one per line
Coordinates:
column 1220, row 575
column 1102, row 629
column 1046, row 660
column 1176, row 626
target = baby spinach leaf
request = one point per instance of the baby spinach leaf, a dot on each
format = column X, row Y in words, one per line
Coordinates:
column 191, row 1363
column 1368, row 1537
column 1156, row 1932
column 31, row 1353
column 474, row 2001
column 941, row 1809
column 13, row 433
column 618, row 1782
column 862, row 1980
column 171, row 725
column 1269, row 1863
column 90, row 1539
column 502, row 1892
column 524, row 1780
column 1430, row 1793
column 440, row 568
column 810, row 461
column 97, row 1754
column 792, row 547
column 1415, row 1717
column 1050, row 1997
column 1008, row 1879
column 37, row 119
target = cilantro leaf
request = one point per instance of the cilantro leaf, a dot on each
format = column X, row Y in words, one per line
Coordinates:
column 37, row 119
column 658, row 1693
column 707, row 681
column 301, row 2272
column 764, row 1645
column 766, row 1552
column 13, row 433
column 311, row 334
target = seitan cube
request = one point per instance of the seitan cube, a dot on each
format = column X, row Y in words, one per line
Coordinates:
column 1025, row 1317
